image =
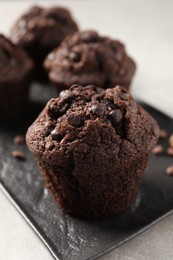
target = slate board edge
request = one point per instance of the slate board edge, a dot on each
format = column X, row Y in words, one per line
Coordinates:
column 104, row 252
column 125, row 240
column 26, row 218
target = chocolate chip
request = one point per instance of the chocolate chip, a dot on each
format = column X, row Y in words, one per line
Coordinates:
column 52, row 109
column 56, row 110
column 163, row 134
column 123, row 96
column 111, row 103
column 19, row 139
column 18, row 155
column 92, row 87
column 99, row 109
column 133, row 106
column 74, row 120
column 116, row 116
column 49, row 128
column 75, row 56
column 64, row 109
column 170, row 151
column 55, row 135
column 171, row 141
column 158, row 149
column 122, row 89
column 169, row 170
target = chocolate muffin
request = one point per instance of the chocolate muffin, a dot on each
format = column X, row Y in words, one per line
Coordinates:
column 40, row 30
column 16, row 70
column 88, row 58
column 92, row 146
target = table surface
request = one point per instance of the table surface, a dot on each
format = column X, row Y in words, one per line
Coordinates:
column 146, row 28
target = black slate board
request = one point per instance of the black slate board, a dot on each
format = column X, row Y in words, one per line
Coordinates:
column 68, row 238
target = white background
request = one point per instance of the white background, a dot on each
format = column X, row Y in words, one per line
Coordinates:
column 146, row 27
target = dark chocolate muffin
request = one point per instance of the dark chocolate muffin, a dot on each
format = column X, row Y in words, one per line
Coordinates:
column 92, row 146
column 16, row 70
column 88, row 58
column 40, row 30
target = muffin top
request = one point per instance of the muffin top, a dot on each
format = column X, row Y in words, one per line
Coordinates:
column 88, row 58
column 88, row 122
column 45, row 27
column 14, row 62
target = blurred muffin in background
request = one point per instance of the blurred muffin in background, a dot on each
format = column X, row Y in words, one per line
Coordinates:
column 16, row 73
column 88, row 58
column 40, row 30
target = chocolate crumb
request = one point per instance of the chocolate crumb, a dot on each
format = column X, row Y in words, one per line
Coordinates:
column 171, row 141
column 19, row 139
column 170, row 151
column 18, row 155
column 169, row 170
column 158, row 149
column 163, row 134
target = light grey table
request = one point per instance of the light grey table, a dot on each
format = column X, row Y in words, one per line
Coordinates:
column 146, row 27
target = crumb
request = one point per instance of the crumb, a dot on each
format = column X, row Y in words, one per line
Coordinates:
column 171, row 141
column 169, row 170
column 170, row 151
column 19, row 139
column 18, row 155
column 157, row 149
column 163, row 134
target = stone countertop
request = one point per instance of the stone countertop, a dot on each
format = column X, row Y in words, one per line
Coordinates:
column 146, row 28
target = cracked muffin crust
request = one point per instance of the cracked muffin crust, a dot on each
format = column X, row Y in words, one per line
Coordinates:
column 92, row 146
column 16, row 70
column 88, row 58
column 40, row 30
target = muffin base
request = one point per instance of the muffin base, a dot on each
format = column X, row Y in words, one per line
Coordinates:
column 13, row 97
column 95, row 196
